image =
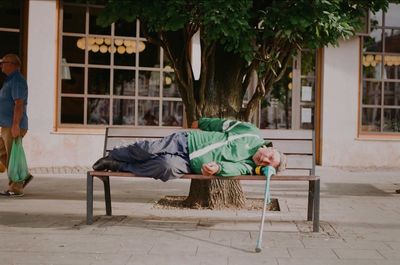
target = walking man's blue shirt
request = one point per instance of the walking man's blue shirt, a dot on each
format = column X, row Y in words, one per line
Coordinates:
column 14, row 87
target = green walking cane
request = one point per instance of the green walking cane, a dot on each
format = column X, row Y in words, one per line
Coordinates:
column 267, row 172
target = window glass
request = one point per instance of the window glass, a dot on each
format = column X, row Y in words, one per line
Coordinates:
column 371, row 119
column 73, row 49
column 124, row 82
column 276, row 111
column 148, row 111
column 392, row 94
column 149, row 54
column 93, row 27
column 10, row 30
column 149, row 83
column 98, row 111
column 372, row 93
column 391, row 121
column 10, row 14
column 123, row 28
column 72, row 80
column 170, row 86
column 373, row 42
column 380, row 93
column 72, row 110
column 99, row 70
column 172, row 113
column 74, row 19
column 371, row 65
column 124, row 112
column 392, row 16
column 99, row 81
column 376, row 19
column 392, row 40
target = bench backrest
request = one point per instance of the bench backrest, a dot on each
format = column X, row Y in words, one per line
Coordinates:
column 297, row 145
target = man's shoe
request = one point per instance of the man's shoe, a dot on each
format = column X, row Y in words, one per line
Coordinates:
column 10, row 194
column 398, row 191
column 106, row 163
column 27, row 180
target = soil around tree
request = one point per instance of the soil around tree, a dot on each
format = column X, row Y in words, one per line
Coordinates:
column 177, row 202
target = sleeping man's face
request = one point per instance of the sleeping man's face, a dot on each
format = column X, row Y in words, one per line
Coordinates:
column 267, row 156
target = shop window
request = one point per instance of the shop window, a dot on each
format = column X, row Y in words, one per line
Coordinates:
column 10, row 29
column 112, row 75
column 380, row 93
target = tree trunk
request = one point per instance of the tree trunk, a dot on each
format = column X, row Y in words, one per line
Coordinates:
column 223, row 96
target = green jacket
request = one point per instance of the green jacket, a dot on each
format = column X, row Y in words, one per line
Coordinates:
column 229, row 143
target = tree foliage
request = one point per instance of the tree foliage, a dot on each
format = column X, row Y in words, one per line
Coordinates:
column 258, row 35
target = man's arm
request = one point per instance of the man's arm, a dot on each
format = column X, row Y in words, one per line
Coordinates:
column 18, row 112
column 227, row 169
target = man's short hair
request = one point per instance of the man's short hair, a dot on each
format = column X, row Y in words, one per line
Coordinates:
column 13, row 58
column 282, row 161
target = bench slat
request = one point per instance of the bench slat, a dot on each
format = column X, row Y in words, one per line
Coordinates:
column 195, row 176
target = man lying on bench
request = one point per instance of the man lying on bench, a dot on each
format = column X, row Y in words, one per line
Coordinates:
column 221, row 147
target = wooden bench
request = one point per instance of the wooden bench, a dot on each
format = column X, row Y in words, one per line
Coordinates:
column 298, row 145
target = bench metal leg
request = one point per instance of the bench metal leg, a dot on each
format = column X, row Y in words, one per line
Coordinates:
column 311, row 192
column 316, row 206
column 107, row 194
column 89, row 199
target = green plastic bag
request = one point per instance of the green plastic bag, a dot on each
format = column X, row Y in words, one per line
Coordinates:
column 17, row 166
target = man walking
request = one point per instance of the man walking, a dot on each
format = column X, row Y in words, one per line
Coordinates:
column 13, row 118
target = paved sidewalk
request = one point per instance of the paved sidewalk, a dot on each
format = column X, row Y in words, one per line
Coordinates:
column 360, row 223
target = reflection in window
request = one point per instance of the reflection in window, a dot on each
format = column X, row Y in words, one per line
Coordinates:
column 391, row 120
column 381, row 73
column 98, row 111
column 172, row 113
column 124, row 112
column 99, row 81
column 148, row 112
column 124, row 82
column 74, row 83
column 371, row 119
column 113, row 74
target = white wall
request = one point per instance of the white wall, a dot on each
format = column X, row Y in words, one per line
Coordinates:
column 340, row 89
column 43, row 146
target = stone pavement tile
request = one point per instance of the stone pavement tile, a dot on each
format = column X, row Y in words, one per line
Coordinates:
column 388, row 262
column 178, row 247
column 218, row 248
column 266, row 252
column 172, row 259
column 358, row 253
column 390, row 254
column 324, row 243
column 257, row 259
column 64, row 258
column 312, row 261
column 367, row 244
column 394, row 245
column 312, row 253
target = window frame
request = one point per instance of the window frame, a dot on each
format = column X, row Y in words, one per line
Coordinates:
column 381, row 134
column 85, row 95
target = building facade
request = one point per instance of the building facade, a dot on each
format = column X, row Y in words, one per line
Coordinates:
column 83, row 78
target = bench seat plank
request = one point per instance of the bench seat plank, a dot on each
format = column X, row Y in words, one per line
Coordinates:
column 200, row 177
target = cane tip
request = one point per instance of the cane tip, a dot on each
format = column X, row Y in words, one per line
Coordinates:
column 258, row 250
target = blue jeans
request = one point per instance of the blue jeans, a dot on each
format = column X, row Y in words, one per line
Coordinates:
column 164, row 159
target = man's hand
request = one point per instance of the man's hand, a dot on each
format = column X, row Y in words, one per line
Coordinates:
column 209, row 169
column 15, row 131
